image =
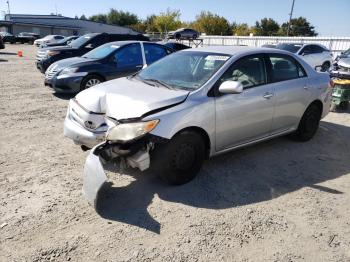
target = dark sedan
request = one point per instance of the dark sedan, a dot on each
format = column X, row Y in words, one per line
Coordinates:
column 109, row 61
column 183, row 33
column 175, row 45
column 8, row 38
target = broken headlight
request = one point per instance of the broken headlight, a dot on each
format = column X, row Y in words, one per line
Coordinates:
column 130, row 131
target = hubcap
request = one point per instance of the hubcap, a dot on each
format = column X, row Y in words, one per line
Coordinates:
column 92, row 82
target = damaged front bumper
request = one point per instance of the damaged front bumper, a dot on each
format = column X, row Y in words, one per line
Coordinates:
column 134, row 154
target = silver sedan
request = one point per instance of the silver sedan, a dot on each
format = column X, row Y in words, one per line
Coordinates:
column 195, row 104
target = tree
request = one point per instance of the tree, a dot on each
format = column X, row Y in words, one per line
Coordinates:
column 99, row 18
column 266, row 27
column 83, row 17
column 121, row 18
column 212, row 24
column 167, row 21
column 298, row 27
column 241, row 29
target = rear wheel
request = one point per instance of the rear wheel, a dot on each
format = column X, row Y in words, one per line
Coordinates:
column 309, row 123
column 180, row 160
column 89, row 81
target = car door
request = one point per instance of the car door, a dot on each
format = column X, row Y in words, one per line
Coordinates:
column 126, row 61
column 154, row 52
column 312, row 55
column 241, row 118
column 291, row 89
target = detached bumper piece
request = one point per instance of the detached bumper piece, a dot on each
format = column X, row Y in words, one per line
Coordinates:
column 134, row 154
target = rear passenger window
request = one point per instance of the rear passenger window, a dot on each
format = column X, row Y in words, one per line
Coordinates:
column 129, row 56
column 154, row 52
column 285, row 68
column 249, row 70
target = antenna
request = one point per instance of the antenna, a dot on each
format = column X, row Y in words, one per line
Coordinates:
column 290, row 17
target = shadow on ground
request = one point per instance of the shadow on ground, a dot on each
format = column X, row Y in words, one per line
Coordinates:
column 257, row 173
column 7, row 53
column 64, row 96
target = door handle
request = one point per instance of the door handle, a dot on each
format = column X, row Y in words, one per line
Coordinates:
column 139, row 66
column 267, row 95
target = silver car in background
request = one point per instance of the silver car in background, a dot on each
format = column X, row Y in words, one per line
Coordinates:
column 195, row 104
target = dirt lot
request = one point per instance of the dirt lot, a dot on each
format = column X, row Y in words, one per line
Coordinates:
column 277, row 201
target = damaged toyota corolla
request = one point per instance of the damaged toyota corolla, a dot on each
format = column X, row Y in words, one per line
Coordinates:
column 192, row 105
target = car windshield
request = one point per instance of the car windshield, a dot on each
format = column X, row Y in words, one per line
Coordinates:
column 289, row 47
column 101, row 52
column 77, row 43
column 184, row 70
column 347, row 52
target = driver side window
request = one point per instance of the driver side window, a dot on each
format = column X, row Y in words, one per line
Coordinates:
column 249, row 71
column 129, row 56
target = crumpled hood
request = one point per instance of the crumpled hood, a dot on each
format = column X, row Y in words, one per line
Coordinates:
column 344, row 62
column 128, row 98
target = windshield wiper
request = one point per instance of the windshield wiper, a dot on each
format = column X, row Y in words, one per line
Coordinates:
column 159, row 82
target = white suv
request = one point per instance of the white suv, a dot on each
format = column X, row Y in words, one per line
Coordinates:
column 314, row 54
column 48, row 39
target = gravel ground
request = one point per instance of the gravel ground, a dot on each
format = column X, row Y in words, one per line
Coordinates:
column 276, row 201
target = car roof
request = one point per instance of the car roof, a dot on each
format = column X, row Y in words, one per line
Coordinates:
column 126, row 42
column 235, row 50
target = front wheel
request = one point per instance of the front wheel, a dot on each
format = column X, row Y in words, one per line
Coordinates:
column 309, row 124
column 180, row 160
column 325, row 66
column 89, row 81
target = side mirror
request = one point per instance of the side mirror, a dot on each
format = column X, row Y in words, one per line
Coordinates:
column 89, row 46
column 318, row 68
column 231, row 87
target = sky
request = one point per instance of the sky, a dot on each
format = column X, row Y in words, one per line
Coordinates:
column 330, row 18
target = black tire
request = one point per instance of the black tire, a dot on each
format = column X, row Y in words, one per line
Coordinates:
column 177, row 36
column 180, row 160
column 309, row 124
column 88, row 80
column 325, row 66
column 344, row 105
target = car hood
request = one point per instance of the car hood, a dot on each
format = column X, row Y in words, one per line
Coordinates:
column 344, row 62
column 125, row 98
column 61, row 48
column 74, row 61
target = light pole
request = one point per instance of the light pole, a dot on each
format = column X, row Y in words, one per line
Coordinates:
column 290, row 17
column 8, row 7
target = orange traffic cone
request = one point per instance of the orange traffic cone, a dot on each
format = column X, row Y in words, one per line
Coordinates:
column 20, row 53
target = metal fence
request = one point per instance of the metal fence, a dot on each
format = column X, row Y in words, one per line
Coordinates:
column 335, row 44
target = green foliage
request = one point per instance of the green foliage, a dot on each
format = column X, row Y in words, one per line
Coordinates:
column 266, row 27
column 167, row 21
column 299, row 27
column 211, row 24
column 241, row 29
column 83, row 17
column 100, row 18
column 121, row 18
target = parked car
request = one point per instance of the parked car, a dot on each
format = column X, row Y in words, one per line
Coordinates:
column 195, row 104
column 26, row 37
column 341, row 68
column 174, row 45
column 314, row 54
column 63, row 42
column 8, row 38
column 183, row 33
column 109, row 61
column 345, row 54
column 47, row 56
column 48, row 39
column 2, row 45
